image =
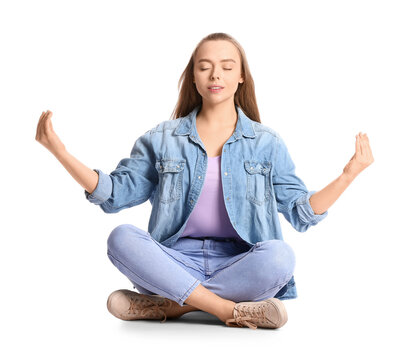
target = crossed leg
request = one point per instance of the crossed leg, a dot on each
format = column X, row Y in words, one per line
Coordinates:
column 254, row 275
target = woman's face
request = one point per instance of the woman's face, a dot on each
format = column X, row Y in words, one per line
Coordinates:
column 217, row 63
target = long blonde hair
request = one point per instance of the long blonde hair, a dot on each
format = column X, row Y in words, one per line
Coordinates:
column 189, row 97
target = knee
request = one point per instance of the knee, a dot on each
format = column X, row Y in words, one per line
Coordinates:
column 277, row 259
column 121, row 236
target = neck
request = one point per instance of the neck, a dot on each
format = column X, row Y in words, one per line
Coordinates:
column 217, row 116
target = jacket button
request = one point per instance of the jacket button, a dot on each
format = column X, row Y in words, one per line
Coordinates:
column 227, row 198
column 199, row 177
column 226, row 173
column 191, row 201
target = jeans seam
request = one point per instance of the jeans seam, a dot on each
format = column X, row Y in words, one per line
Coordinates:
column 195, row 282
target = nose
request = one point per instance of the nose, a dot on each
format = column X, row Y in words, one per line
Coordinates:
column 214, row 75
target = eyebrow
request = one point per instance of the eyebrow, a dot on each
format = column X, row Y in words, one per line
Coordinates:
column 223, row 60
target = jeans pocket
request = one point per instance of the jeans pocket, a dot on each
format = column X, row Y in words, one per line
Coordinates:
column 170, row 179
column 258, row 187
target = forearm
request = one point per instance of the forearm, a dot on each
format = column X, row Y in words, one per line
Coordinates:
column 85, row 176
column 321, row 200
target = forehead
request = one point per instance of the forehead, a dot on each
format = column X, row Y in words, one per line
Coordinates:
column 217, row 50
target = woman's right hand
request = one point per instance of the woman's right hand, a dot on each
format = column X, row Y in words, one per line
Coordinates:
column 46, row 135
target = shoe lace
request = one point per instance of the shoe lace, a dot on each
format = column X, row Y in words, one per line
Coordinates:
column 243, row 314
column 147, row 308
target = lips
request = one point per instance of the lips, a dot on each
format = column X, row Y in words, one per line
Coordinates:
column 216, row 90
column 216, row 86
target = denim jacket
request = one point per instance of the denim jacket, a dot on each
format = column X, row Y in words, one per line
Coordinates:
column 167, row 166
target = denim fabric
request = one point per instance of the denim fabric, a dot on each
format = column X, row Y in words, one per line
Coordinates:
column 167, row 166
column 231, row 269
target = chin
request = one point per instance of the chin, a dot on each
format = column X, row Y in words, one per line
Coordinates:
column 215, row 101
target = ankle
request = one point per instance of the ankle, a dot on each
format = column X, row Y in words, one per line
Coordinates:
column 227, row 311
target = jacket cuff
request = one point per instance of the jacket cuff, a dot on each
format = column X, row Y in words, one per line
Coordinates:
column 305, row 210
column 102, row 191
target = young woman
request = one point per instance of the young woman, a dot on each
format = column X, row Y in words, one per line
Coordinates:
column 216, row 178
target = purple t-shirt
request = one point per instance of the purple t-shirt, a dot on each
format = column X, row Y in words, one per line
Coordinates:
column 209, row 216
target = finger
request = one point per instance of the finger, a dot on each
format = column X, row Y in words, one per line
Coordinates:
column 41, row 117
column 39, row 125
column 358, row 145
column 364, row 147
column 49, row 120
column 360, row 142
column 44, row 118
column 368, row 151
column 369, row 154
column 48, row 123
column 365, row 139
column 44, row 114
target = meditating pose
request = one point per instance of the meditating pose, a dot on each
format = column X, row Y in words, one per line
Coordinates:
column 216, row 179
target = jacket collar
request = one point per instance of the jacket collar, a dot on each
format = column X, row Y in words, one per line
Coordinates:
column 244, row 125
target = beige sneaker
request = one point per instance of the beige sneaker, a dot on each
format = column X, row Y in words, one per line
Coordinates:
column 269, row 313
column 130, row 305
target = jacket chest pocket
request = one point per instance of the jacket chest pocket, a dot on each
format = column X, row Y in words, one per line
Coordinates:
column 170, row 179
column 258, row 186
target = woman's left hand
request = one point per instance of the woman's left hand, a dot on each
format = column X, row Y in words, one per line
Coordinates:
column 361, row 159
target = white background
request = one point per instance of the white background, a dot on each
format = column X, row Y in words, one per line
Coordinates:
column 323, row 70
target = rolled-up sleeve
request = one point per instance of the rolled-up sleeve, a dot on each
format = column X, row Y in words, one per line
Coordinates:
column 102, row 191
column 305, row 210
column 292, row 195
column 131, row 183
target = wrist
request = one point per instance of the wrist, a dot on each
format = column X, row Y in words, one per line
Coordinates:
column 348, row 177
column 60, row 153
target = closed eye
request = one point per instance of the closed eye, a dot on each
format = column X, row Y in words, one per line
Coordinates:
column 207, row 69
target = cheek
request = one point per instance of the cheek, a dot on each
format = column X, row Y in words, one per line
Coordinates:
column 200, row 85
column 200, row 80
column 232, row 84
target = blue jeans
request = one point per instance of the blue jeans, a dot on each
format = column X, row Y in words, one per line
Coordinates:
column 232, row 269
